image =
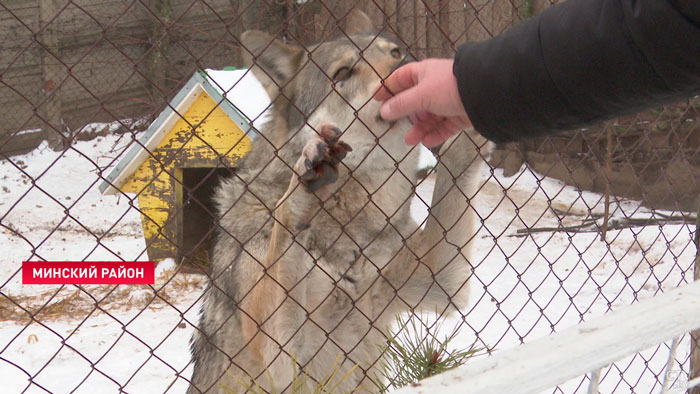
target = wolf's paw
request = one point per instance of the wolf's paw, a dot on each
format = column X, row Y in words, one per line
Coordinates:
column 318, row 164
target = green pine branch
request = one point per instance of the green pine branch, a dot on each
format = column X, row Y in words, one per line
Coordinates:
column 414, row 353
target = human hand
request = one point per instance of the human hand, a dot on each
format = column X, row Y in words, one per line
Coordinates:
column 425, row 92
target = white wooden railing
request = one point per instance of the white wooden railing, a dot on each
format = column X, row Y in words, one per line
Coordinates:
column 583, row 349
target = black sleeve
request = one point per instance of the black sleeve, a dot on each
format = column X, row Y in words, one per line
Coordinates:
column 578, row 62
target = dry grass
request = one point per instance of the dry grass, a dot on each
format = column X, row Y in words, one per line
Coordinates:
column 74, row 302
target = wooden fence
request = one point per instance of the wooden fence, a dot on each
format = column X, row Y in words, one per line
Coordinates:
column 65, row 63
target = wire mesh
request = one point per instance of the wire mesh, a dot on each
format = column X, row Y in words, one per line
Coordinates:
column 299, row 252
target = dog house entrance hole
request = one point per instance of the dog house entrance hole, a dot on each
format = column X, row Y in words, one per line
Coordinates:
column 198, row 230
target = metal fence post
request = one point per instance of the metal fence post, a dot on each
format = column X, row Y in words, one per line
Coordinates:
column 695, row 335
column 50, row 108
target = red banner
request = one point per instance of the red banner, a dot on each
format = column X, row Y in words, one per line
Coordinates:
column 88, row 272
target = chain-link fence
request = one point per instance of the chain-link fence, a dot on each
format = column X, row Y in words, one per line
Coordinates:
column 236, row 143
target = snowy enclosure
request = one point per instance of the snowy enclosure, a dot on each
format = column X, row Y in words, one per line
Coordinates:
column 585, row 348
column 525, row 285
column 576, row 232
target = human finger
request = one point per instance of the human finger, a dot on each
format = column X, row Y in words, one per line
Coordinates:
column 423, row 123
column 404, row 104
column 401, row 79
column 382, row 93
column 437, row 137
column 441, row 132
column 415, row 135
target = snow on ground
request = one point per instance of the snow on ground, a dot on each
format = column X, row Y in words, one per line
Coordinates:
column 51, row 209
column 524, row 286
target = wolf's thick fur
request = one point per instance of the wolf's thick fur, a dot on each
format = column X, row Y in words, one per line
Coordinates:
column 308, row 267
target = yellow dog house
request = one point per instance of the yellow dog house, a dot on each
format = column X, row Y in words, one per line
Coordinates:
column 177, row 162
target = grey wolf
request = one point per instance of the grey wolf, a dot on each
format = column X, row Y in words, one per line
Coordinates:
column 317, row 251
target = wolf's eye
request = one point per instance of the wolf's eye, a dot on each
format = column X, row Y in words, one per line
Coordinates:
column 342, row 74
column 396, row 53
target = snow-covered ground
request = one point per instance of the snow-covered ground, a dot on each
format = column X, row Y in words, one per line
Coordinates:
column 51, row 209
column 524, row 286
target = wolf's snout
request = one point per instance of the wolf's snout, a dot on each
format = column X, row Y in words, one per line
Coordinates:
column 379, row 119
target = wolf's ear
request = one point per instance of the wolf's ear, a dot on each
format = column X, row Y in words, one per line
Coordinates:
column 357, row 22
column 278, row 61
